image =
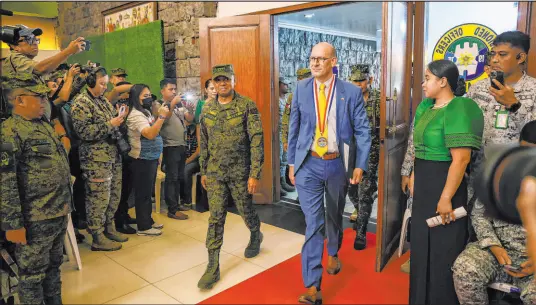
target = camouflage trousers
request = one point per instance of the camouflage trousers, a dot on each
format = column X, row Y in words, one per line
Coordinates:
column 282, row 157
column 218, row 192
column 367, row 188
column 476, row 268
column 39, row 261
column 103, row 192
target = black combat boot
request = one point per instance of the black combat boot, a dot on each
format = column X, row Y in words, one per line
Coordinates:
column 360, row 226
column 254, row 246
column 212, row 274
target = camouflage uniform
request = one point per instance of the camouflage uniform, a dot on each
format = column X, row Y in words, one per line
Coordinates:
column 17, row 62
column 369, row 185
column 35, row 195
column 476, row 266
column 302, row 74
column 231, row 152
column 282, row 152
column 409, row 157
column 99, row 158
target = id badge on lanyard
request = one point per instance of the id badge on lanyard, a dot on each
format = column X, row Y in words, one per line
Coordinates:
column 501, row 119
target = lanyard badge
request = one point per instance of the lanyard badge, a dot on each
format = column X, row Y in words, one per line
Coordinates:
column 501, row 119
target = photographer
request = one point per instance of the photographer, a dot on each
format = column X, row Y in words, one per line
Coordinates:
column 27, row 47
column 147, row 145
column 95, row 121
column 500, row 243
column 35, row 193
column 174, row 155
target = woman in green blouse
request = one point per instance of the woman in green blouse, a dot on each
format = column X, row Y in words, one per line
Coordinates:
column 210, row 92
column 447, row 128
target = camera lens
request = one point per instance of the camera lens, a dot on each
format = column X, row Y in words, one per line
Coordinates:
column 499, row 182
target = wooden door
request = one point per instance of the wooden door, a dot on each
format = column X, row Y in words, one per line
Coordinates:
column 395, row 88
column 246, row 43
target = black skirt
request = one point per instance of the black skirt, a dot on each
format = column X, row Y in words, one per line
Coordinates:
column 434, row 250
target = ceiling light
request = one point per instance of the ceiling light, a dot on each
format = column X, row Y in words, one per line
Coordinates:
column 309, row 15
column 379, row 30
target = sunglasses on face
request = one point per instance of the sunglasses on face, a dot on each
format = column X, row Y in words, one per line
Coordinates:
column 30, row 40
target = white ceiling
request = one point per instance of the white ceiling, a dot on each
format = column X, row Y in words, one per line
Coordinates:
column 359, row 18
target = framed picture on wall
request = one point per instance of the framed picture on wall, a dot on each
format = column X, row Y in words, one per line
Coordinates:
column 128, row 15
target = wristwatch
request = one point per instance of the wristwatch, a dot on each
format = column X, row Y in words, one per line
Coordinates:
column 162, row 117
column 515, row 107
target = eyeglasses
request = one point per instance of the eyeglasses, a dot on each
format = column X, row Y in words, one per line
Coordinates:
column 30, row 40
column 320, row 60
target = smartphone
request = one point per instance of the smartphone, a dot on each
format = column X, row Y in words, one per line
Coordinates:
column 122, row 109
column 499, row 76
column 88, row 45
column 513, row 268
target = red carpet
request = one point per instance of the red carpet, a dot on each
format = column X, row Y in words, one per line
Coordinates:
column 357, row 283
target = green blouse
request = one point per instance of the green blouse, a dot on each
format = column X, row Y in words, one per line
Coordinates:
column 459, row 124
column 198, row 110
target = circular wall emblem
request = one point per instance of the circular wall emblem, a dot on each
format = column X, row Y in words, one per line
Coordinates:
column 466, row 45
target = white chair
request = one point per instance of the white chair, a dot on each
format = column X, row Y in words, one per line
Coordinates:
column 71, row 246
column 160, row 177
column 194, row 188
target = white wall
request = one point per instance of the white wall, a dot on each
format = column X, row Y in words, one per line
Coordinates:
column 240, row 8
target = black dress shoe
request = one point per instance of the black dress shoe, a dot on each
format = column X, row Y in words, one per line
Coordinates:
column 125, row 229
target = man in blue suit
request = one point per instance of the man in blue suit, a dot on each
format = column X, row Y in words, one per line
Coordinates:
column 328, row 122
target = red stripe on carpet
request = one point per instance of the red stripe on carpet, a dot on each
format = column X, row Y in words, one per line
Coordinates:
column 357, row 283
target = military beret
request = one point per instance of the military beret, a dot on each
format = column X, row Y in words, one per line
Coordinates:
column 23, row 80
column 222, row 70
column 303, row 73
column 359, row 73
column 119, row 72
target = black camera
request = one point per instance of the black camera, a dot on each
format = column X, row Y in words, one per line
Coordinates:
column 499, row 181
column 10, row 34
column 122, row 144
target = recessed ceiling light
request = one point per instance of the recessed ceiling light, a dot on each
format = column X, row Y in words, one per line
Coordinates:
column 309, row 15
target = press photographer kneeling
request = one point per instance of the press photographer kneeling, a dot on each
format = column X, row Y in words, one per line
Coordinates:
column 500, row 254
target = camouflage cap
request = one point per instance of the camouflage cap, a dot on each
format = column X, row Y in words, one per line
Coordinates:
column 359, row 72
column 303, row 73
column 55, row 75
column 283, row 80
column 23, row 80
column 222, row 70
column 27, row 31
column 119, row 72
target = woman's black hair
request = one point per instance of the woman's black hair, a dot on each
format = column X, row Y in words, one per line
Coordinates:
column 446, row 68
column 528, row 133
column 207, row 83
column 134, row 99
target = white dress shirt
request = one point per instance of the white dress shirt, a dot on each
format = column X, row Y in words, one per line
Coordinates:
column 332, row 115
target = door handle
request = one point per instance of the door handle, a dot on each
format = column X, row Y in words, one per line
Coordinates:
column 392, row 128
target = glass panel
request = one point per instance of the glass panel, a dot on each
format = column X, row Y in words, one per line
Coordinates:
column 463, row 32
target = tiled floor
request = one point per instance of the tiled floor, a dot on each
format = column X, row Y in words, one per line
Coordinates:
column 165, row 269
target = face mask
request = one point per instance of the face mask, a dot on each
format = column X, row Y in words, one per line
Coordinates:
column 147, row 103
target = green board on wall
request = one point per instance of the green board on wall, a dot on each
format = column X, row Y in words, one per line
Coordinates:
column 139, row 50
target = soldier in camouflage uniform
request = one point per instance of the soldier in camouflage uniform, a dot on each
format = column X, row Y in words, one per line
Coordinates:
column 94, row 120
column 360, row 77
column 35, row 197
column 20, row 59
column 283, row 91
column 506, row 111
column 231, row 160
column 301, row 74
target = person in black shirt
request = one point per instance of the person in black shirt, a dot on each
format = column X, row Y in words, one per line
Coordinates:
column 192, row 154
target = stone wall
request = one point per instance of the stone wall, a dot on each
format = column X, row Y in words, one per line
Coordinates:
column 181, row 33
column 295, row 49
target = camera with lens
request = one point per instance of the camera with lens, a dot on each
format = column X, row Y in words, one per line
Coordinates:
column 499, row 181
column 10, row 34
column 118, row 136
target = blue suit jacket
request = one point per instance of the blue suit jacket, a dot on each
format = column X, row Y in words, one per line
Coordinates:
column 352, row 123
